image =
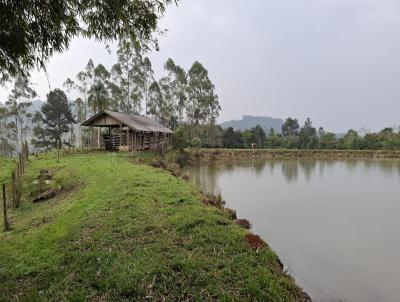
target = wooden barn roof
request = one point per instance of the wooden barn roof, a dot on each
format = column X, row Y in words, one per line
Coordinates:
column 133, row 121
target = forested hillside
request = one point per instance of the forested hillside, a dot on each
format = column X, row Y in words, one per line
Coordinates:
column 249, row 121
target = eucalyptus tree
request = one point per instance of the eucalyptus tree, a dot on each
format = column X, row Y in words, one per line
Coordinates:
column 69, row 86
column 85, row 81
column 176, row 79
column 98, row 95
column 79, row 110
column 31, row 31
column 155, row 102
column 3, row 125
column 18, row 102
column 126, row 76
column 116, row 88
column 159, row 107
column 98, row 98
column 167, row 105
column 147, row 79
column 6, row 147
column 79, row 116
column 203, row 105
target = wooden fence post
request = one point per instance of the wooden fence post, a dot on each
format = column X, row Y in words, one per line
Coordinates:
column 58, row 150
column 14, row 189
column 6, row 225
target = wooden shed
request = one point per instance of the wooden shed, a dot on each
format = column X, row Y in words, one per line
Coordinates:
column 128, row 131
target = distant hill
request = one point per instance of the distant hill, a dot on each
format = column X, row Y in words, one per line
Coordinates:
column 248, row 121
column 36, row 106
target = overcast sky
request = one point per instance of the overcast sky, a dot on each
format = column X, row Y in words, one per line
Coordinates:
column 336, row 61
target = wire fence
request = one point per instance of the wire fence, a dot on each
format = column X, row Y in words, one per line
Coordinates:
column 15, row 187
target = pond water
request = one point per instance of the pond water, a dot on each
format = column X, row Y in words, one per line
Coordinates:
column 334, row 224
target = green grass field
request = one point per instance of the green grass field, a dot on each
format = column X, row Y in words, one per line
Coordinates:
column 6, row 166
column 121, row 231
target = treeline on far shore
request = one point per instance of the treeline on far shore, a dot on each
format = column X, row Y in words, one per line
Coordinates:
column 292, row 136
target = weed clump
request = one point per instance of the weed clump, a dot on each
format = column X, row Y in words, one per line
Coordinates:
column 254, row 241
column 214, row 200
column 230, row 213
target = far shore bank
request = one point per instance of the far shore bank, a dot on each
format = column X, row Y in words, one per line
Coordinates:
column 220, row 154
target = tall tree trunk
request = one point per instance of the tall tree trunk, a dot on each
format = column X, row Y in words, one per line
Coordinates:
column 20, row 126
column 16, row 134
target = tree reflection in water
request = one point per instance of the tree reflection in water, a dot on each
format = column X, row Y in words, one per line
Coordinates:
column 205, row 176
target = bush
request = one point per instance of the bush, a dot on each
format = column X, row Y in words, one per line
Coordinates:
column 178, row 139
column 195, row 143
column 182, row 158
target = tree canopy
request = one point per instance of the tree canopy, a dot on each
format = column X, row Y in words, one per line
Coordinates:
column 57, row 117
column 32, row 31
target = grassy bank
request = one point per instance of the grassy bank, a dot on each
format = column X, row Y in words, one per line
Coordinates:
column 216, row 154
column 120, row 231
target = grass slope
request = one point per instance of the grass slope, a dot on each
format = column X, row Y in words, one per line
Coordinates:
column 130, row 232
column 6, row 166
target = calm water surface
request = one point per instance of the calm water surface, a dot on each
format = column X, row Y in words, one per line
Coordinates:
column 335, row 224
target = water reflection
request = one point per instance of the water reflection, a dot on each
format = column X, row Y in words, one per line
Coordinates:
column 333, row 222
column 205, row 176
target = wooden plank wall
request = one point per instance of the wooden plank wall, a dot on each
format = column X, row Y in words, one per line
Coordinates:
column 129, row 140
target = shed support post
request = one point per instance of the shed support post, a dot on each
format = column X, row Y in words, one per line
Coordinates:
column 150, row 141
column 120, row 135
column 98, row 137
